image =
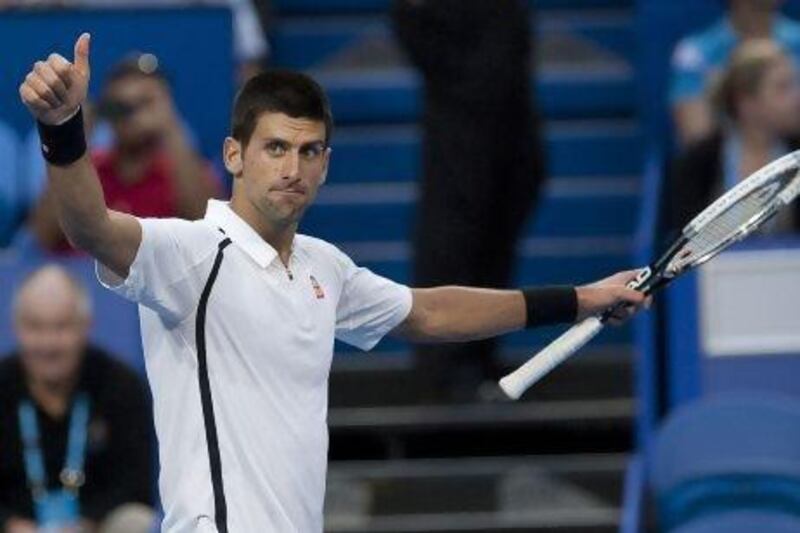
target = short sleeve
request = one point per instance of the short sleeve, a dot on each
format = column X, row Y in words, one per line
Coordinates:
column 369, row 307
column 166, row 274
column 688, row 72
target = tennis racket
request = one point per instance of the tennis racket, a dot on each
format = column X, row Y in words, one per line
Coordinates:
column 731, row 218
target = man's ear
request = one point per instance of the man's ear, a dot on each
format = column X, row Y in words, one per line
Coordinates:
column 325, row 163
column 232, row 156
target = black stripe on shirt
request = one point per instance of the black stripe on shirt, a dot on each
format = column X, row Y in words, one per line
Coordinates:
column 212, row 442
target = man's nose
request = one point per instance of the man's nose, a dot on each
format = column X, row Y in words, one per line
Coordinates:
column 291, row 167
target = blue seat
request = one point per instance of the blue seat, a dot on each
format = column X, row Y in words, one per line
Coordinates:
column 743, row 522
column 725, row 453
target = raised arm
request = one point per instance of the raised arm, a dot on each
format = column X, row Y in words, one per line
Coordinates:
column 54, row 91
column 442, row 314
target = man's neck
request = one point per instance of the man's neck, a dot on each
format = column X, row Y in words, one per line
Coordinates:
column 52, row 397
column 279, row 236
column 751, row 22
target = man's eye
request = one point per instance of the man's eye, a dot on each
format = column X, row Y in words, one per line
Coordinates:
column 311, row 152
column 276, row 149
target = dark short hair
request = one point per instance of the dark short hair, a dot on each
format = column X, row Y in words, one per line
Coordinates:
column 137, row 65
column 279, row 91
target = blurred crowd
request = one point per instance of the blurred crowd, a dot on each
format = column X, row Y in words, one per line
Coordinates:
column 77, row 416
column 145, row 152
column 735, row 100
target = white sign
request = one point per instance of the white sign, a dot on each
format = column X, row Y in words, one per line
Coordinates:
column 750, row 303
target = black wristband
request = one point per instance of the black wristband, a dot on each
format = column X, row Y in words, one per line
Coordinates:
column 550, row 304
column 63, row 144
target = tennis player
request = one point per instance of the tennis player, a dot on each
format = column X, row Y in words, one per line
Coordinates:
column 239, row 312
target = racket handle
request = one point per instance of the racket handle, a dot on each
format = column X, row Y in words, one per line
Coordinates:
column 551, row 356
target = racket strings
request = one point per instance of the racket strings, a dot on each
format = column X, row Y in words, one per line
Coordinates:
column 722, row 229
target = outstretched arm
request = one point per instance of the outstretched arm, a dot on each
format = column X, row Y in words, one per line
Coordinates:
column 443, row 314
column 53, row 92
column 452, row 313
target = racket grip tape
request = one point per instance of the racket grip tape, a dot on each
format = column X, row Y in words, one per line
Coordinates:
column 517, row 382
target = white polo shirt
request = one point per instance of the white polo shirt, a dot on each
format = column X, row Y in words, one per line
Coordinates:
column 238, row 349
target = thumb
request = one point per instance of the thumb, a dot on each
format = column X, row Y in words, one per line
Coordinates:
column 81, row 61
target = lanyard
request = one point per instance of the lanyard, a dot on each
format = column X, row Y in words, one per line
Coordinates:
column 72, row 474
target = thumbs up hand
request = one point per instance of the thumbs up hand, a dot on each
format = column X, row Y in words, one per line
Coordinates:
column 54, row 89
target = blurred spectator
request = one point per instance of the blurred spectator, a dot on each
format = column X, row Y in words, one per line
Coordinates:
column 482, row 160
column 9, row 181
column 33, row 175
column 33, row 172
column 152, row 170
column 85, row 417
column 698, row 57
column 757, row 98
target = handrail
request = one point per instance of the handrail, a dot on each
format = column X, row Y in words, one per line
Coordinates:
column 647, row 225
column 645, row 241
column 633, row 497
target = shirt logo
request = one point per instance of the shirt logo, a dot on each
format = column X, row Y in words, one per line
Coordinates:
column 318, row 292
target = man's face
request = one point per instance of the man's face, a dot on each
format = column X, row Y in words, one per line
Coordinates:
column 52, row 331
column 136, row 106
column 282, row 167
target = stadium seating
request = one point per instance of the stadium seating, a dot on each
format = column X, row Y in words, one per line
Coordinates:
column 731, row 452
column 744, row 522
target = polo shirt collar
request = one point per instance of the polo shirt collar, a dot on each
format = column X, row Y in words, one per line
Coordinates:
column 221, row 215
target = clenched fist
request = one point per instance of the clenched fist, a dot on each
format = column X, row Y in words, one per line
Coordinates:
column 55, row 88
column 611, row 293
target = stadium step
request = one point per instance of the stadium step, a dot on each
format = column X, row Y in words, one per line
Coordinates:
column 580, row 521
column 574, row 149
column 364, row 380
column 326, row 7
column 568, row 208
column 481, row 429
column 377, row 411
column 493, row 492
column 305, row 42
column 583, row 65
column 393, row 96
column 583, row 266
column 569, row 521
column 552, row 462
column 542, row 260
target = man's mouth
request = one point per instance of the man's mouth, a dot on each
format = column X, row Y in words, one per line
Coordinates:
column 300, row 191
